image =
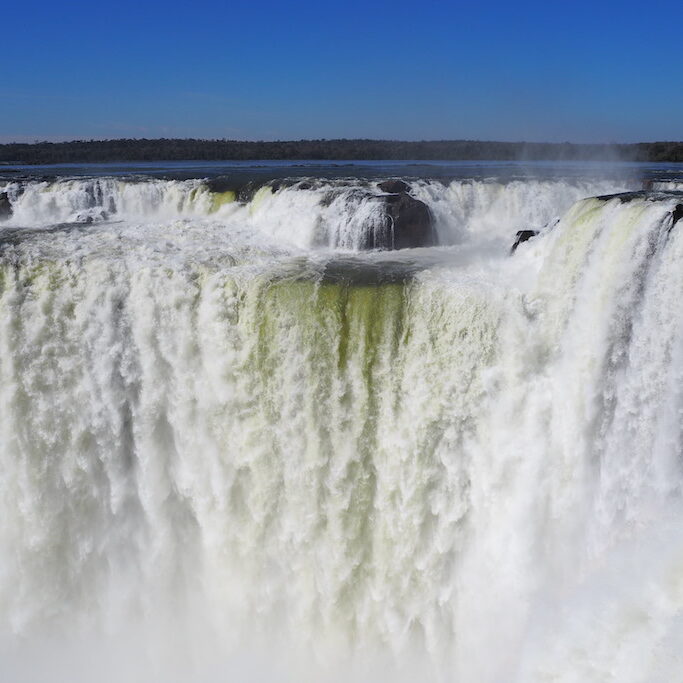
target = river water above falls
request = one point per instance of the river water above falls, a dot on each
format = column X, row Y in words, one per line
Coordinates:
column 237, row 445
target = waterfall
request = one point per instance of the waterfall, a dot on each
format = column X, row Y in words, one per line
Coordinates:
column 471, row 467
column 307, row 213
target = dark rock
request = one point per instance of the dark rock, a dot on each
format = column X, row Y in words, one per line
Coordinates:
column 409, row 224
column 336, row 192
column 221, row 184
column 650, row 195
column 523, row 236
column 356, row 271
column 394, row 186
column 624, row 197
column 677, row 214
column 5, row 206
column 246, row 192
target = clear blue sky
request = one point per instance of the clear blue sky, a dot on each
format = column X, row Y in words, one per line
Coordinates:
column 579, row 71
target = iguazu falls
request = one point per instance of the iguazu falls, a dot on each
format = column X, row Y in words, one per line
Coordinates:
column 341, row 422
column 341, row 342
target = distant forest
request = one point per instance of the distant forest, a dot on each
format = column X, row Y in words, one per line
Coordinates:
column 81, row 151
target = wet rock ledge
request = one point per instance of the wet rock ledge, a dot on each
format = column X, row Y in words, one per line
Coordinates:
column 411, row 222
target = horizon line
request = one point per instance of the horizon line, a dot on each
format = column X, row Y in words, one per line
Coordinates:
column 360, row 139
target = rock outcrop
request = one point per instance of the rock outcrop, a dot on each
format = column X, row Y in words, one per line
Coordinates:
column 410, row 222
column 5, row 207
column 394, row 186
column 523, row 236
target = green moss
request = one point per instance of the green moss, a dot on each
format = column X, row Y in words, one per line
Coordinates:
column 43, row 275
column 342, row 318
column 338, row 329
column 218, row 199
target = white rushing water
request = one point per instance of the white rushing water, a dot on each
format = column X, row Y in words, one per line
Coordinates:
column 223, row 459
column 307, row 214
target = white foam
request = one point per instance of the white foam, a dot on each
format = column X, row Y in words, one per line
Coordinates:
column 476, row 470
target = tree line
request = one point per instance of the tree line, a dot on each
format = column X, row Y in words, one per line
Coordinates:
column 163, row 149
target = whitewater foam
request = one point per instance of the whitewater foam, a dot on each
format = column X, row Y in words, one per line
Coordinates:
column 306, row 214
column 217, row 422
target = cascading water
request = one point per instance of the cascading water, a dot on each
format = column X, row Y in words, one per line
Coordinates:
column 287, row 463
column 317, row 214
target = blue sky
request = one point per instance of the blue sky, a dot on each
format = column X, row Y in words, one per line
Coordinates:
column 579, row 71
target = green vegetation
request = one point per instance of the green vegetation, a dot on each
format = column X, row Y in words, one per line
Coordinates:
column 83, row 151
